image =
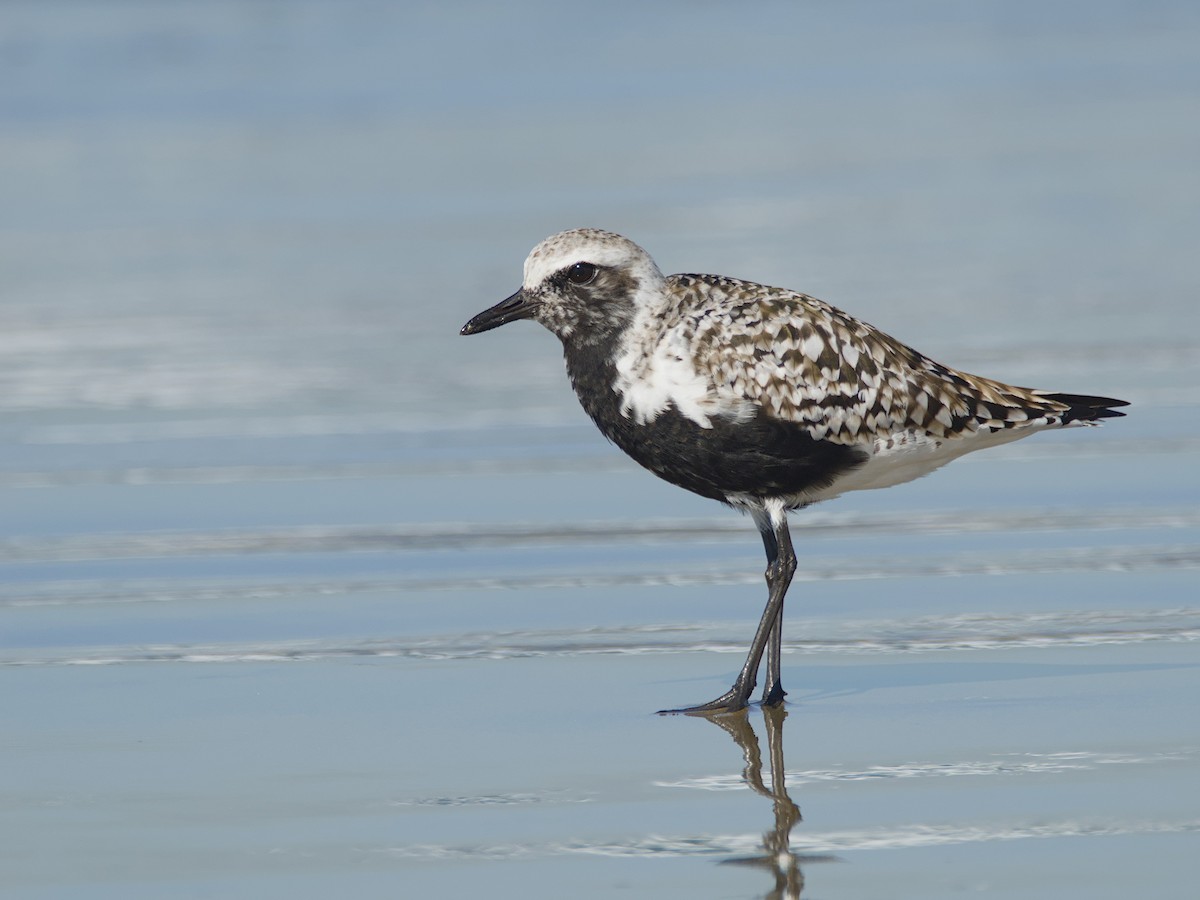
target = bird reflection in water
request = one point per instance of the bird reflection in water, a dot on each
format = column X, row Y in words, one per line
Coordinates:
column 777, row 852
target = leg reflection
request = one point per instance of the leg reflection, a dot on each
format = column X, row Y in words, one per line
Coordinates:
column 777, row 855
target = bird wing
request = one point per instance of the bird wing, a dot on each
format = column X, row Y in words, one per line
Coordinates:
column 798, row 359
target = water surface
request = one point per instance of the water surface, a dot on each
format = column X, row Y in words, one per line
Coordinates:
column 300, row 592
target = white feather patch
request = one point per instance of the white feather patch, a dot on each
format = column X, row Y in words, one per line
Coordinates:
column 651, row 380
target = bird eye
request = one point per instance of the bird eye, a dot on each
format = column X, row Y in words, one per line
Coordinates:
column 582, row 273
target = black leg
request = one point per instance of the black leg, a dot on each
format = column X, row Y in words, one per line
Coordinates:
column 781, row 566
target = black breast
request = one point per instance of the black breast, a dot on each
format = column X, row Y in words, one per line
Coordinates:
column 763, row 457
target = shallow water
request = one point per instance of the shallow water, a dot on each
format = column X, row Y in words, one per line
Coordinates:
column 301, row 592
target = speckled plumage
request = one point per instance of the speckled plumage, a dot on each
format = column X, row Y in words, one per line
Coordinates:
column 807, row 362
column 761, row 397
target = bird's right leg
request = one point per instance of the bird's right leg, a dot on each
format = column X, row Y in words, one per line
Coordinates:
column 781, row 566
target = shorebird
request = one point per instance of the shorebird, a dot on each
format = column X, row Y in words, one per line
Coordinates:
column 765, row 399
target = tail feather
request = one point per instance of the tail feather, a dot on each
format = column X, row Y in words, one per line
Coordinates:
column 1082, row 408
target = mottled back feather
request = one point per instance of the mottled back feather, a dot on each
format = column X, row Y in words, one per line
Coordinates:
column 801, row 360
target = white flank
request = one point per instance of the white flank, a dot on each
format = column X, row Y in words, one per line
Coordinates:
column 910, row 455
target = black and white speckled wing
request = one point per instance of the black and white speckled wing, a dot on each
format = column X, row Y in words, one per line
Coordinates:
column 798, row 359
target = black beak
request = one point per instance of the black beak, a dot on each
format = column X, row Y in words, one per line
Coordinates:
column 518, row 306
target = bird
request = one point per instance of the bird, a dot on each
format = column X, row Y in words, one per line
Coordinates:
column 765, row 399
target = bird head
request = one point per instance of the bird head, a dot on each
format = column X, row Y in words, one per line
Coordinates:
column 583, row 285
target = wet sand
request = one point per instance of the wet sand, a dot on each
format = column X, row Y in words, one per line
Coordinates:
column 302, row 593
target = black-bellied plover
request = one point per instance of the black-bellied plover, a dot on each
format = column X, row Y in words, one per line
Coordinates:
column 765, row 399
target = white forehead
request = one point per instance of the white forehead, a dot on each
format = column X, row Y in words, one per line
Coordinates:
column 603, row 248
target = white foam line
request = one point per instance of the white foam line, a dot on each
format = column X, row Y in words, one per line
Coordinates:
column 1087, row 560
column 549, row 797
column 1059, row 561
column 870, row 638
column 466, row 535
column 804, row 844
column 1022, row 764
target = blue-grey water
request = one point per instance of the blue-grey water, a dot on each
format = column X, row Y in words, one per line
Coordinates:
column 302, row 593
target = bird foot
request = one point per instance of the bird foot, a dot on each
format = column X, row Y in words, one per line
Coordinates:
column 774, row 696
column 730, row 701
